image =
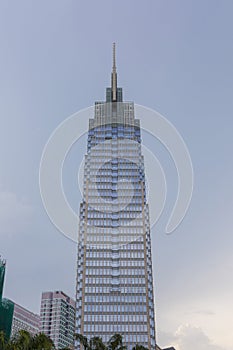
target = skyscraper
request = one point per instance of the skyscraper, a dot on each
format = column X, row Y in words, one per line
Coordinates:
column 57, row 318
column 114, row 269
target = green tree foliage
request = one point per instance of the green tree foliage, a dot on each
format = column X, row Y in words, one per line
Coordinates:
column 139, row 347
column 96, row 343
column 25, row 341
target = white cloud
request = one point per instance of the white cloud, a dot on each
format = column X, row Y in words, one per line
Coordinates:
column 193, row 338
column 15, row 213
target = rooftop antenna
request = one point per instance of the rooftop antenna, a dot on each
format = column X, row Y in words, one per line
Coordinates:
column 114, row 74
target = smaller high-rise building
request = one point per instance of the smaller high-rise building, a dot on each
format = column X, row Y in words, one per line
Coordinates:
column 14, row 317
column 6, row 306
column 57, row 318
column 24, row 319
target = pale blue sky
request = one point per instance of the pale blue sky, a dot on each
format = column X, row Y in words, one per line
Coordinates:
column 173, row 56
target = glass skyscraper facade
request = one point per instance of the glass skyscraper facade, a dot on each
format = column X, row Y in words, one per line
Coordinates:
column 114, row 267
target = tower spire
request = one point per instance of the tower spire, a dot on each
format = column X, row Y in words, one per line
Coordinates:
column 114, row 74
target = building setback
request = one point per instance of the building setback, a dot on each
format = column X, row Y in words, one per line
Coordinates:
column 57, row 318
column 24, row 319
column 114, row 270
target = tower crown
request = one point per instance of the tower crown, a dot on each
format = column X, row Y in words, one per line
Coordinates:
column 114, row 94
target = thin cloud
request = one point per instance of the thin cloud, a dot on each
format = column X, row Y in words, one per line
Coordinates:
column 202, row 312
